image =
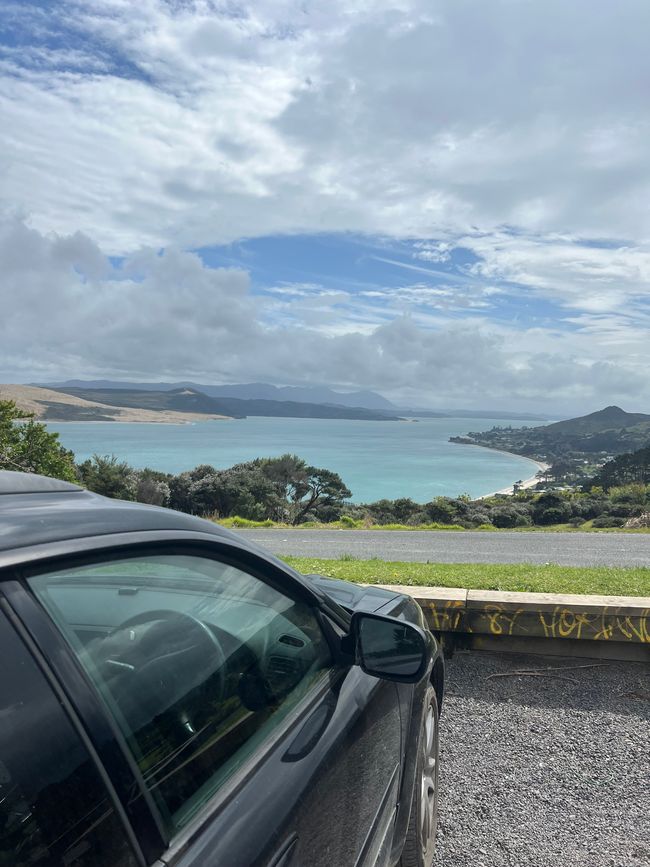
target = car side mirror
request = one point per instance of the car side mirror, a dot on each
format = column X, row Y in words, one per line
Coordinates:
column 389, row 648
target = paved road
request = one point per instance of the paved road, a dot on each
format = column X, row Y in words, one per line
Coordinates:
column 544, row 771
column 440, row 546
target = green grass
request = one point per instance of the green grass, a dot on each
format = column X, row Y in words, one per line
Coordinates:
column 478, row 576
column 350, row 524
column 244, row 523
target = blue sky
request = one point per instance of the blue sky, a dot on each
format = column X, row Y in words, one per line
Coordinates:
column 442, row 200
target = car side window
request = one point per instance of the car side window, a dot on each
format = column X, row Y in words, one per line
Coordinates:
column 197, row 660
column 54, row 808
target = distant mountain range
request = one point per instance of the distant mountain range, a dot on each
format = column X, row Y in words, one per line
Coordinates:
column 609, row 431
column 249, row 391
column 313, row 394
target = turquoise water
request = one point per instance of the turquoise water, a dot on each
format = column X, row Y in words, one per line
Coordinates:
column 375, row 459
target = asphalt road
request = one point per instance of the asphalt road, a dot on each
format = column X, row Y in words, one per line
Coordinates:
column 546, row 770
column 440, row 546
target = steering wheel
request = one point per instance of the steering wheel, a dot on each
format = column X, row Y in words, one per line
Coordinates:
column 153, row 660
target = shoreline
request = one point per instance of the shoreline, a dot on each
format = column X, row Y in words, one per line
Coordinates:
column 134, row 421
column 525, row 484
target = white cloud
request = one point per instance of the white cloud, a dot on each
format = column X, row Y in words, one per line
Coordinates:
column 517, row 131
column 566, row 270
column 67, row 312
column 199, row 123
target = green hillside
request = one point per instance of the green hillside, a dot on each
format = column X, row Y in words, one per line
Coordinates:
column 608, row 419
column 610, row 431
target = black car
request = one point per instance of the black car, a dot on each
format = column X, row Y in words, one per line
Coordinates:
column 172, row 695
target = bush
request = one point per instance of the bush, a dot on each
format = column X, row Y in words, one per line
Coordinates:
column 506, row 516
column 440, row 510
column 623, row 510
column 607, row 521
column 554, row 515
column 551, row 509
column 242, row 523
column 635, row 493
column 106, row 475
column 587, row 508
column 476, row 518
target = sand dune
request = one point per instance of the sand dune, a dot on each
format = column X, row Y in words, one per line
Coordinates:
column 49, row 405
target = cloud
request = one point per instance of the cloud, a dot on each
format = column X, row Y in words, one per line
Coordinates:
column 197, row 123
column 496, row 156
column 68, row 311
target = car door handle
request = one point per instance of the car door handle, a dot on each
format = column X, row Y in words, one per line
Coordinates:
column 284, row 855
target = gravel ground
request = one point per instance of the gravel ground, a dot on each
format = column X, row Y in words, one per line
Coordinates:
column 445, row 546
column 539, row 771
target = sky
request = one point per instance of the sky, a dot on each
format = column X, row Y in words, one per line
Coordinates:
column 446, row 201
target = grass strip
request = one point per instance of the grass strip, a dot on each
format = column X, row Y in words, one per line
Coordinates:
column 550, row 578
column 244, row 524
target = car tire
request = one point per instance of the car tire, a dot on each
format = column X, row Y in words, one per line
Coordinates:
column 420, row 840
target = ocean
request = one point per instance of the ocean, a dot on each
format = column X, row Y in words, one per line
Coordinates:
column 375, row 459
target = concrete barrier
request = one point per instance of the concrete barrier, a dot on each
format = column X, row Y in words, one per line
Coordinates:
column 610, row 627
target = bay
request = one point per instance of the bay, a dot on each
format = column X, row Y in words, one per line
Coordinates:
column 375, row 459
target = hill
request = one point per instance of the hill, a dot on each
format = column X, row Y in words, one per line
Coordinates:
column 610, row 418
column 249, row 391
column 188, row 399
column 50, row 405
column 610, row 431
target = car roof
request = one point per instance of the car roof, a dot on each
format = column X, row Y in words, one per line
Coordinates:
column 36, row 509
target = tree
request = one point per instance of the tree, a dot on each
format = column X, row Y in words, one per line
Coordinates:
column 441, row 510
column 625, row 469
column 108, row 476
column 152, row 487
column 304, row 488
column 28, row 447
column 242, row 490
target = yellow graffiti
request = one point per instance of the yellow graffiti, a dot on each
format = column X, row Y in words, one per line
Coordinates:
column 449, row 617
column 500, row 619
column 607, row 624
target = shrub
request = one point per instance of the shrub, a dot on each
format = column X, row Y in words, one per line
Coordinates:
column 634, row 493
column 553, row 515
column 551, row 509
column 244, row 523
column 506, row 516
column 624, row 510
column 441, row 510
column 607, row 521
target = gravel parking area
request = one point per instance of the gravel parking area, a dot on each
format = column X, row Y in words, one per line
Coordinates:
column 551, row 770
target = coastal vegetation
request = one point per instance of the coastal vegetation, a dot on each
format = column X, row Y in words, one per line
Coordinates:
column 287, row 491
column 26, row 446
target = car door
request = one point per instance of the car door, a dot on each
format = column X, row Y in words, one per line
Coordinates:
column 253, row 745
column 55, row 807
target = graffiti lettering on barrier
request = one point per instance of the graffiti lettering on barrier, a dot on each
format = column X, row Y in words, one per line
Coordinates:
column 445, row 617
column 502, row 621
column 607, row 624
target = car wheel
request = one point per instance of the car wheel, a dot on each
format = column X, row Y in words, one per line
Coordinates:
column 421, row 835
